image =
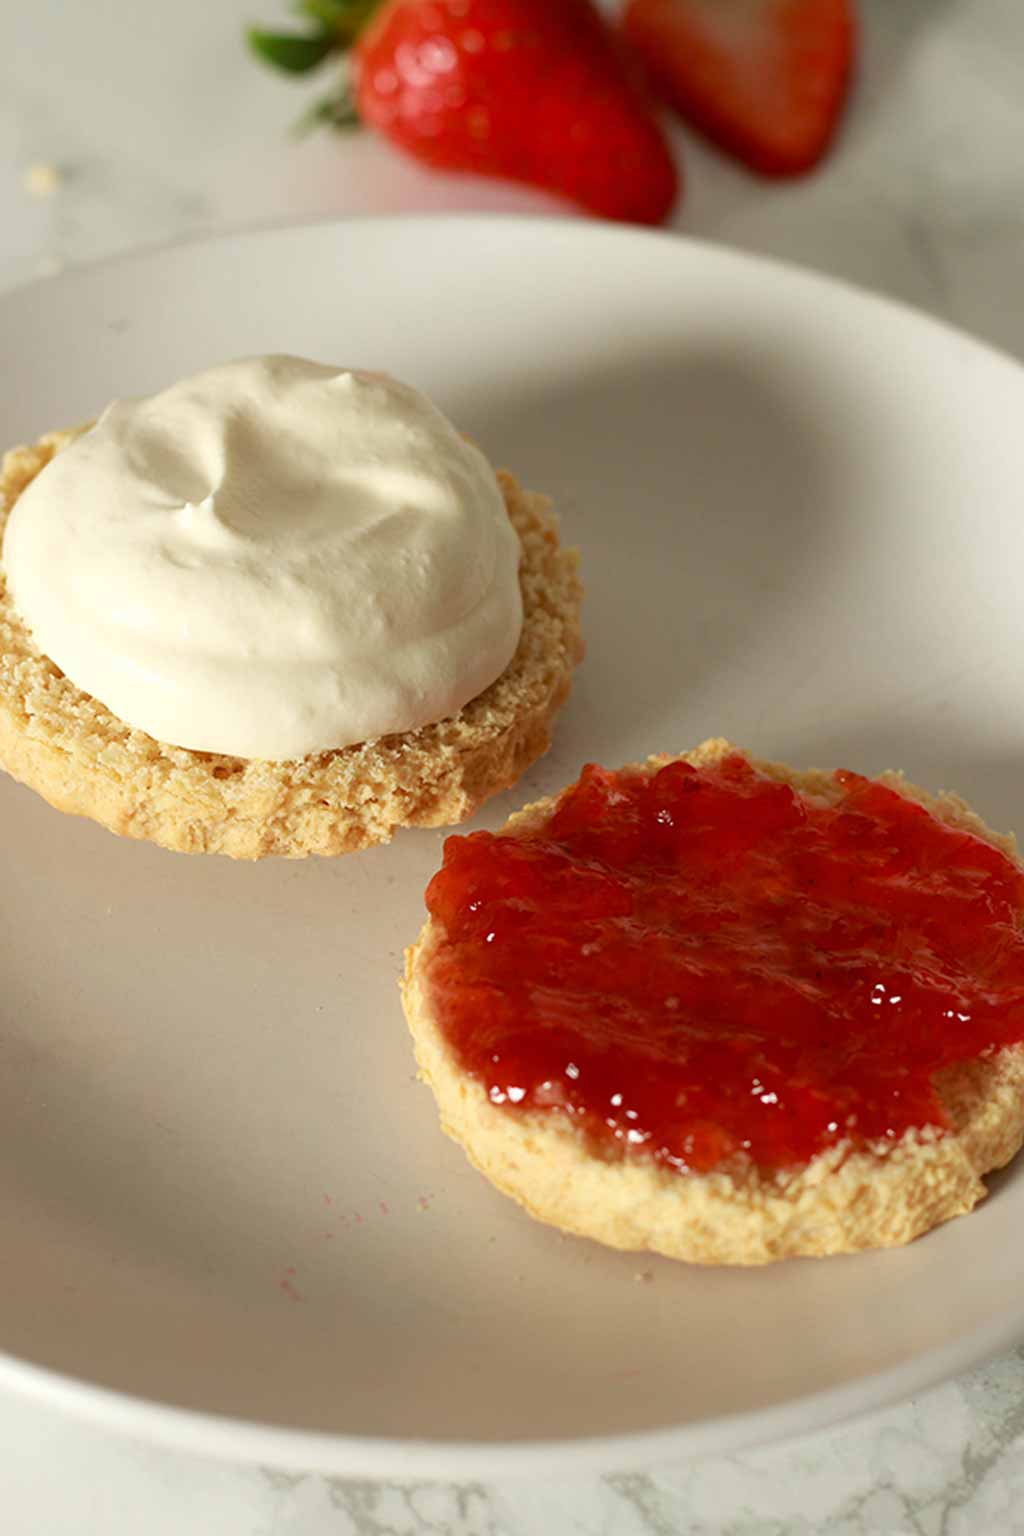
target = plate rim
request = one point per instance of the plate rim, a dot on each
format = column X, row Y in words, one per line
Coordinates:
column 251, row 1442
column 565, row 224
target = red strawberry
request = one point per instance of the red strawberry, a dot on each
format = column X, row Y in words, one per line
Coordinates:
column 530, row 90
column 765, row 79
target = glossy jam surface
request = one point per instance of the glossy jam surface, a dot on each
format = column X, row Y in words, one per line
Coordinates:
column 701, row 964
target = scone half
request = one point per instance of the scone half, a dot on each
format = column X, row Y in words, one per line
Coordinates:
column 81, row 758
column 844, row 1200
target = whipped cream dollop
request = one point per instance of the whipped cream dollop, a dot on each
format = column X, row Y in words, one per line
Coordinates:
column 269, row 559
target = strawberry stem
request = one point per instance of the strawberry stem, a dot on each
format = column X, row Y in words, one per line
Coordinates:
column 337, row 110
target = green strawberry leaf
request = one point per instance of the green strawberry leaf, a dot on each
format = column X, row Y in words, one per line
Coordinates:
column 289, row 51
column 329, row 13
column 335, row 111
column 345, row 18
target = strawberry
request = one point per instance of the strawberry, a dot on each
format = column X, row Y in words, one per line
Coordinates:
column 534, row 91
column 764, row 79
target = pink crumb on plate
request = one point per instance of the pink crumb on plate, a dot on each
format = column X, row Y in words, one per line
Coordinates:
column 288, row 1286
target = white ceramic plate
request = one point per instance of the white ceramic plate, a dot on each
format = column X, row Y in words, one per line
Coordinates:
column 231, row 1220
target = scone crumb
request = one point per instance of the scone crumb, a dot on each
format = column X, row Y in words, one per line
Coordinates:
column 42, row 180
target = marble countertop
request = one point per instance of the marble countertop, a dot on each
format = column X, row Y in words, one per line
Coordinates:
column 123, row 125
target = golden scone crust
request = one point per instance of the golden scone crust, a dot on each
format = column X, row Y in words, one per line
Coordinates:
column 84, row 760
column 844, row 1200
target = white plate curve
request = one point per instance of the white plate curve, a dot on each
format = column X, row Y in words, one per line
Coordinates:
column 233, row 1222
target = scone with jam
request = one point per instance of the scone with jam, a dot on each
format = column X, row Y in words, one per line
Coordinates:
column 728, row 1012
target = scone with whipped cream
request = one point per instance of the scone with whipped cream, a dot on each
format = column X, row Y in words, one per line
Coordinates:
column 278, row 608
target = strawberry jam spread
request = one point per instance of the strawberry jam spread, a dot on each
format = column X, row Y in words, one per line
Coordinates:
column 697, row 964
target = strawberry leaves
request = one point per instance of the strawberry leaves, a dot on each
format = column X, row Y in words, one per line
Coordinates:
column 291, row 52
column 337, row 24
column 336, row 110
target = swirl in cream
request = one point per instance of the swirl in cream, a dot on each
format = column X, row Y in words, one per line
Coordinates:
column 270, row 559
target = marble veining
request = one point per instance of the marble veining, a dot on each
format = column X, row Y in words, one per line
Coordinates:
column 949, row 1463
column 162, row 129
